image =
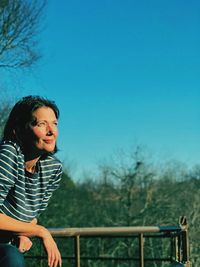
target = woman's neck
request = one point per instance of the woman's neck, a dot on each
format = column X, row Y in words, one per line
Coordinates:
column 30, row 165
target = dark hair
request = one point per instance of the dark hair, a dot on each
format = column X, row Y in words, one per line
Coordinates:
column 17, row 128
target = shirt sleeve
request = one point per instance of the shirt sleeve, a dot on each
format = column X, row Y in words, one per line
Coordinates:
column 52, row 186
column 8, row 169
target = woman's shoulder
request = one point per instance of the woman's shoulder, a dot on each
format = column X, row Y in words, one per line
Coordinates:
column 10, row 152
column 51, row 160
column 10, row 146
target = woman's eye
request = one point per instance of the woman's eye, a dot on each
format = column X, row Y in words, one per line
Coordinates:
column 41, row 124
column 45, row 124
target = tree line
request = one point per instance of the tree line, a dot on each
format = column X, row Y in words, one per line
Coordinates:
column 132, row 193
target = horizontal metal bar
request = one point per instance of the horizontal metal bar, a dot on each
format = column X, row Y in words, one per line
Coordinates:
column 104, row 258
column 124, row 258
column 113, row 230
column 124, row 236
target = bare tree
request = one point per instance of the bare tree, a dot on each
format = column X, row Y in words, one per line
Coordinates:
column 19, row 25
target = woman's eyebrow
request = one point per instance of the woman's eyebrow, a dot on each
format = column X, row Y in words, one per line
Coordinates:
column 43, row 120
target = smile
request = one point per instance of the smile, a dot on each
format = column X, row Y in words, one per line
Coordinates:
column 49, row 141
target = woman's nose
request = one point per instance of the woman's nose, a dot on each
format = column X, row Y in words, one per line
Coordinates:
column 50, row 130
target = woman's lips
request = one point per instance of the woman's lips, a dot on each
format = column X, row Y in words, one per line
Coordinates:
column 52, row 141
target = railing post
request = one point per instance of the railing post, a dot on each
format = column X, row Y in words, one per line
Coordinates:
column 185, row 242
column 179, row 240
column 141, row 244
column 173, row 249
column 77, row 251
column 185, row 247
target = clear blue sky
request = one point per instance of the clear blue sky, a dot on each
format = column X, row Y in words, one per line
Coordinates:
column 122, row 73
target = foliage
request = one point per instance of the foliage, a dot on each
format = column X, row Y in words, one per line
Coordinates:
column 137, row 193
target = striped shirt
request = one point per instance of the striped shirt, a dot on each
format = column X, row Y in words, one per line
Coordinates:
column 24, row 195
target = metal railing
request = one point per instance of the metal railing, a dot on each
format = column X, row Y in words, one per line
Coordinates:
column 178, row 236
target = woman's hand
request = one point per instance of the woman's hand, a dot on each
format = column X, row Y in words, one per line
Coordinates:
column 53, row 254
column 24, row 244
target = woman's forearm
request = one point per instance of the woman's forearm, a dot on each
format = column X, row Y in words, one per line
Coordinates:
column 21, row 228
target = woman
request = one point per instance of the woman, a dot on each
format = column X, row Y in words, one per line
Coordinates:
column 29, row 173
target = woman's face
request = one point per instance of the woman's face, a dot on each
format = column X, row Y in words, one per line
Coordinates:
column 44, row 129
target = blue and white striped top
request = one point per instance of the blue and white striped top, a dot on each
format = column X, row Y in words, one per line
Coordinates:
column 24, row 195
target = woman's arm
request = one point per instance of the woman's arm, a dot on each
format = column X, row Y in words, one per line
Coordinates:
column 24, row 243
column 17, row 227
column 30, row 229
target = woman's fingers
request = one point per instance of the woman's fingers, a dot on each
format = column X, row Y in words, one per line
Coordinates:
column 24, row 243
column 54, row 257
